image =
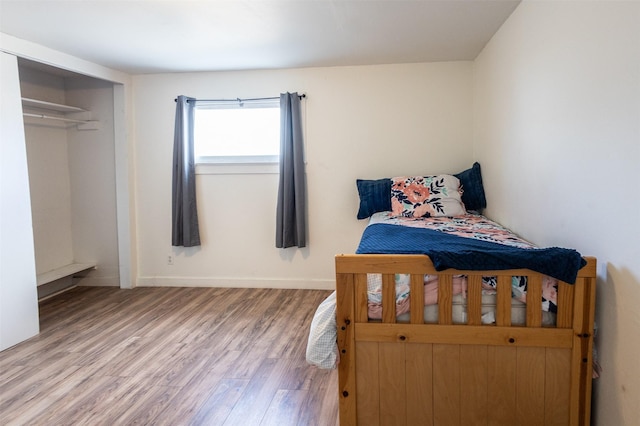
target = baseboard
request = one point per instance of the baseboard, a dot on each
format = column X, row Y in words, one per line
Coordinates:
column 306, row 284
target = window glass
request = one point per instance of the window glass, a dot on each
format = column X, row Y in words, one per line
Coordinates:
column 242, row 132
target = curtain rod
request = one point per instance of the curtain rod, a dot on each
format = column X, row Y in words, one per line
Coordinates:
column 240, row 100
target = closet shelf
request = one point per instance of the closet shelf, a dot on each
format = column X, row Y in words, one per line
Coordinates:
column 79, row 116
column 64, row 271
column 35, row 103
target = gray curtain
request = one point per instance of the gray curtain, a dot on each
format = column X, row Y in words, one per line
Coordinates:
column 291, row 220
column 184, row 227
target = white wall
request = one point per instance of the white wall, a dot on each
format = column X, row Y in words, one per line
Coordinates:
column 557, row 131
column 18, row 298
column 48, row 167
column 361, row 122
column 92, row 172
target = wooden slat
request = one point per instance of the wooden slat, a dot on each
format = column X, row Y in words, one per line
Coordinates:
column 345, row 306
column 464, row 334
column 473, row 384
column 368, row 397
column 534, row 301
column 576, row 399
column 530, row 375
column 361, row 299
column 501, row 385
column 474, row 300
column 566, row 292
column 419, row 365
column 388, row 298
column 557, row 386
column 587, row 349
column 417, row 299
column 586, row 377
column 384, row 264
column 421, row 264
column 393, row 388
column 446, row 384
column 503, row 301
column 445, row 299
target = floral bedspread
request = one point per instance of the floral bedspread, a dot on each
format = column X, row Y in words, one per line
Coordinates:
column 469, row 225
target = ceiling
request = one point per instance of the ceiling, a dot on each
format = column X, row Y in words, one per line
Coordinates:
column 154, row 36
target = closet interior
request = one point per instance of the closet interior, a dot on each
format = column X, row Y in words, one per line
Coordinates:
column 68, row 122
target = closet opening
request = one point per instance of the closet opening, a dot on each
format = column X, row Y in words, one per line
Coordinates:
column 71, row 157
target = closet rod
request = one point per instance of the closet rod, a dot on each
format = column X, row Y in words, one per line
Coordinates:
column 48, row 117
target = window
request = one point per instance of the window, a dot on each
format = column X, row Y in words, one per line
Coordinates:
column 238, row 132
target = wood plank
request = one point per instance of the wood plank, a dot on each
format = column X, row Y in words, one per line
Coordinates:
column 419, row 376
column 503, row 301
column 474, row 300
column 534, row 301
column 501, row 386
column 587, row 359
column 258, row 394
column 393, row 387
column 345, row 315
column 361, row 299
column 564, row 316
column 384, row 264
column 464, row 334
column 368, row 385
column 388, row 298
column 557, row 387
column 284, row 407
column 530, row 376
column 446, row 384
column 445, row 299
column 473, row 382
column 576, row 399
column 219, row 403
column 417, row 299
column 421, row 264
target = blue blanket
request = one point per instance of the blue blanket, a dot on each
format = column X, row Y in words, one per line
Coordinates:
column 451, row 251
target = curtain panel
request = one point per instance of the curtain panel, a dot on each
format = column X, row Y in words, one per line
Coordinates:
column 184, row 230
column 291, row 223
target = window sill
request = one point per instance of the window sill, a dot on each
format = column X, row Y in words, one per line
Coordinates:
column 237, row 168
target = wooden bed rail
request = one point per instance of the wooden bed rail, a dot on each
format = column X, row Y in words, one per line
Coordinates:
column 571, row 336
column 418, row 265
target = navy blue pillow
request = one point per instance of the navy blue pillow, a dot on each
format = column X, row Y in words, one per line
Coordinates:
column 473, row 196
column 375, row 196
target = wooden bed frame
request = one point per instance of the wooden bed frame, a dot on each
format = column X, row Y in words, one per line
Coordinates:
column 472, row 374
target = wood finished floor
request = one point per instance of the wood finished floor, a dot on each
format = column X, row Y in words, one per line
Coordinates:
column 169, row 356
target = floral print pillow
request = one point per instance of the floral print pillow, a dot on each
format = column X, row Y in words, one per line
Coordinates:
column 426, row 196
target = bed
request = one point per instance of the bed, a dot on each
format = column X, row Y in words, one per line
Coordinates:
column 481, row 353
